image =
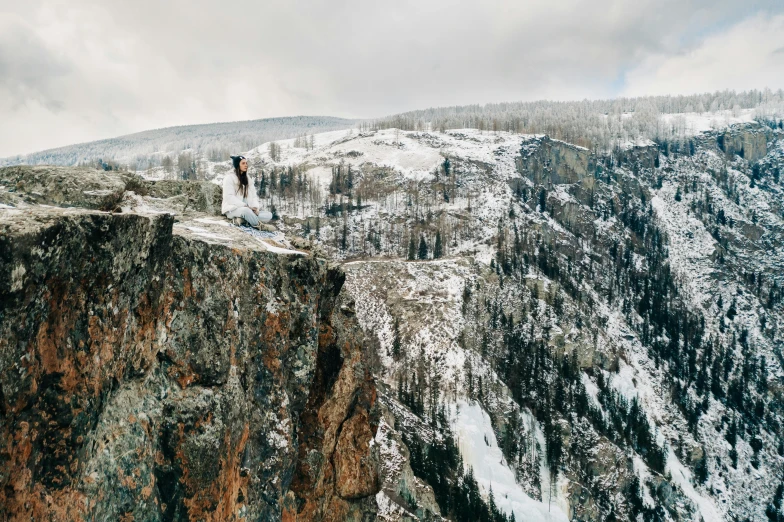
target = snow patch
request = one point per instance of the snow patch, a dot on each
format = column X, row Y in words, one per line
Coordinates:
column 472, row 427
column 682, row 476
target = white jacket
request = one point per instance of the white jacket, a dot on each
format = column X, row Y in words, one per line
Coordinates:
column 232, row 193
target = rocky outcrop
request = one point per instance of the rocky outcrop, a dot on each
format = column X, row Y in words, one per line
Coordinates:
column 404, row 496
column 544, row 160
column 748, row 142
column 199, row 196
column 62, row 186
column 638, row 157
column 87, row 187
column 152, row 371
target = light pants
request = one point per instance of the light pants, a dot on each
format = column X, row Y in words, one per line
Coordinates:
column 247, row 214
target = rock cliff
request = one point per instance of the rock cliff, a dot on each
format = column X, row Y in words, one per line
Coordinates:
column 748, row 142
column 554, row 161
column 153, row 370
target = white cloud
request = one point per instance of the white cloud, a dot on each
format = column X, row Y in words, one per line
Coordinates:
column 748, row 55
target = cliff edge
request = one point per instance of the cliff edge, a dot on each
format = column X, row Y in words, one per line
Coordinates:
column 156, row 370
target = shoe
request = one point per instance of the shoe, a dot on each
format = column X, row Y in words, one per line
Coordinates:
column 265, row 227
column 238, row 221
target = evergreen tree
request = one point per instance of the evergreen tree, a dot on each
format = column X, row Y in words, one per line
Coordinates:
column 438, row 250
column 344, row 237
column 411, row 248
column 422, row 252
column 262, row 190
column 542, row 200
column 701, row 470
column 775, row 510
column 396, row 339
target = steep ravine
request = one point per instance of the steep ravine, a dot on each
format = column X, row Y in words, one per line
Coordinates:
column 142, row 366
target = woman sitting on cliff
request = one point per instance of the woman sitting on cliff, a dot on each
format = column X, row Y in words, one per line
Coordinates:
column 240, row 202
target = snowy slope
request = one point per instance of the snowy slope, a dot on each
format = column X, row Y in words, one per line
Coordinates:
column 480, row 451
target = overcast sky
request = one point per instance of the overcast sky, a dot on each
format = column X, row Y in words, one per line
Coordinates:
column 80, row 70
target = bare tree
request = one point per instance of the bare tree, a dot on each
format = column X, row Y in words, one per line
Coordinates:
column 274, row 151
column 167, row 163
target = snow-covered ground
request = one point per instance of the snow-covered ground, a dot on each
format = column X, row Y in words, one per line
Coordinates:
column 682, row 476
column 428, row 294
column 692, row 123
column 479, row 449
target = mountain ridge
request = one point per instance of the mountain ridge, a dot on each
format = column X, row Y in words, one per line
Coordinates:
column 208, row 138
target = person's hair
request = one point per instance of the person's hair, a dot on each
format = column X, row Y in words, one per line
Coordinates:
column 243, row 177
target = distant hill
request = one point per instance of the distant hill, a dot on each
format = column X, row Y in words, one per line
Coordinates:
column 213, row 140
column 602, row 124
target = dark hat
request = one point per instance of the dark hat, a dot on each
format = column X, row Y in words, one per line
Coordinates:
column 236, row 161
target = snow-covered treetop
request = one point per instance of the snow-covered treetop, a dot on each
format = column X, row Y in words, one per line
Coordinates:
column 602, row 124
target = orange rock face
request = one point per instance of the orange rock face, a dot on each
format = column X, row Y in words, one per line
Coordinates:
column 147, row 376
column 337, row 473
